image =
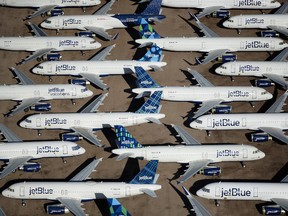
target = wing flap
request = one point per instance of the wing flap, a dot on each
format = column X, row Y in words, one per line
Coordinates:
column 86, row 171
column 282, row 55
column 282, row 29
column 186, row 137
column 212, row 55
column 278, row 105
column 87, row 134
column 95, row 79
column 8, row 134
column 24, row 80
column 13, row 164
column 94, row 105
column 100, row 31
column 206, row 106
column 41, row 10
column 103, row 10
column 36, row 54
column 25, row 103
column 73, row 205
column 101, row 56
column 278, row 79
column 208, row 10
column 275, row 132
column 281, row 202
column 199, row 78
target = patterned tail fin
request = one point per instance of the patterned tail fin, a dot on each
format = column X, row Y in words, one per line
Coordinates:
column 152, row 105
column 147, row 174
column 125, row 139
column 153, row 8
column 144, row 80
column 146, row 30
column 116, row 208
column 154, row 54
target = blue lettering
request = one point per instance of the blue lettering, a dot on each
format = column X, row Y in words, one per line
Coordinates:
column 40, row 190
column 225, row 123
column 227, row 153
column 235, row 192
column 53, row 121
column 250, row 3
column 47, row 149
column 68, row 43
column 248, row 68
column 254, row 21
column 238, row 93
column 71, row 21
column 256, row 44
column 65, row 67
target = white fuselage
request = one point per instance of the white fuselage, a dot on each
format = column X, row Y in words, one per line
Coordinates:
column 100, row 68
column 190, row 153
column 261, row 21
column 82, row 21
column 202, row 94
column 226, row 4
column 244, row 191
column 76, row 190
column 207, row 44
column 45, row 91
column 253, row 68
column 56, row 43
column 39, row 149
column 87, row 120
column 248, row 121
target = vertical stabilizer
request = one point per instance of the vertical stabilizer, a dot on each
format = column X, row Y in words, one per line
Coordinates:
column 125, row 139
column 154, row 54
column 144, row 80
column 147, row 174
column 153, row 8
column 116, row 208
column 146, row 30
column 152, row 105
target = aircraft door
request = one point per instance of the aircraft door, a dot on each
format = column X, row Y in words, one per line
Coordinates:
column 200, row 2
column 203, row 45
column 209, row 122
column 272, row 44
column 233, row 69
column 74, row 91
column 255, row 192
column 243, row 122
column 204, row 155
column 242, row 46
column 144, row 154
column 240, row 21
column 22, row 191
column 217, row 191
column 236, row 2
column 83, row 43
column 65, row 149
column 49, row 68
column 245, row 153
column 254, row 94
column 38, row 122
column 56, row 23
column 127, row 191
column 84, row 2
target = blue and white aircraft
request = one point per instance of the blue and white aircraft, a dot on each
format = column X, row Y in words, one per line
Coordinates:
column 83, row 124
column 100, row 21
column 197, row 157
column 17, row 153
column 97, row 67
column 208, row 95
column 71, row 194
column 116, row 208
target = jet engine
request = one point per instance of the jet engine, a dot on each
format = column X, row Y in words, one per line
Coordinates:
column 269, row 33
column 56, row 209
column 30, row 167
column 264, row 83
column 272, row 210
column 210, row 171
column 71, row 137
column 52, row 57
column 220, row 14
column 222, row 109
column 86, row 34
column 82, row 82
column 260, row 137
column 41, row 107
column 227, row 58
column 55, row 12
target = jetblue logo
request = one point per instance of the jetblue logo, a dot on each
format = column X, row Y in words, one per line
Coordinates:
column 71, row 1
column 150, row 107
column 250, row 3
column 53, row 121
column 227, row 153
column 145, row 178
column 65, row 67
column 235, row 192
column 71, row 21
column 47, row 149
column 68, row 43
column 238, row 93
column 51, row 90
column 254, row 21
column 244, row 68
column 146, row 82
column 57, row 92
column 256, row 44
column 225, row 123
column 40, row 190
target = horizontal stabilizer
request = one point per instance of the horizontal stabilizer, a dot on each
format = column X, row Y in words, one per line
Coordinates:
column 149, row 192
column 154, row 120
column 123, row 156
column 147, row 174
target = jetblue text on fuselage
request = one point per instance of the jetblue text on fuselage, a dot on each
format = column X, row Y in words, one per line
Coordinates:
column 254, row 21
column 68, row 43
column 238, row 93
column 256, row 44
column 47, row 149
column 235, row 192
column 40, row 190
column 250, row 3
column 71, row 21
column 65, row 67
column 227, row 153
column 68, row 1
column 225, row 123
column 53, row 121
column 145, row 177
column 243, row 68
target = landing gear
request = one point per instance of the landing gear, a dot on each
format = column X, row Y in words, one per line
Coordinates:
column 83, row 53
column 50, row 79
column 243, row 164
column 23, row 203
column 84, row 9
column 39, row 133
column 64, row 160
column 232, row 78
column 57, row 31
column 73, row 102
column 238, row 31
column 217, row 203
column 208, row 133
column 252, row 105
column 26, row 109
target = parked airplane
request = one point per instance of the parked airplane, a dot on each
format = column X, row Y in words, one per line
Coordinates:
column 71, row 194
column 17, row 153
column 208, row 95
column 98, row 67
column 272, row 122
column 277, row 21
column 45, row 6
column 84, row 123
column 116, row 208
column 219, row 8
column 100, row 21
column 31, row 95
column 42, row 45
column 276, row 192
column 212, row 43
column 198, row 157
column 275, row 70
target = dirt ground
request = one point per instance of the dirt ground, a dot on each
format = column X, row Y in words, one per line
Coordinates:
column 170, row 200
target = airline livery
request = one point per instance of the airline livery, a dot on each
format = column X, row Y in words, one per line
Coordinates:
column 31, row 95
column 198, row 157
column 208, row 95
column 70, row 194
column 17, row 153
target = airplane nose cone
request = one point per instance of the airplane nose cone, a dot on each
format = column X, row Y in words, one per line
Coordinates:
column 193, row 125
column 35, row 71
column 23, row 124
column 89, row 93
column 6, row 193
column 97, row 45
column 261, row 154
column 277, row 4
column 269, row 96
column 199, row 193
column 82, row 150
column 225, row 24
column 218, row 70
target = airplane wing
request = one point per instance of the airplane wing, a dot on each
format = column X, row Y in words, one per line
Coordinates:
column 212, row 55
column 84, row 173
column 103, row 10
column 281, row 202
column 87, row 134
column 100, row 31
column 277, row 106
column 194, row 167
column 199, row 78
column 24, row 80
column 207, row 32
column 275, row 132
column 208, row 10
column 74, row 205
column 282, row 55
column 13, row 164
column 101, row 56
column 25, row 103
column 285, row 179
column 37, row 54
column 278, row 79
column 283, row 30
column 95, row 79
column 93, row 106
column 283, row 9
column 197, row 207
column 2, row 213
column 8, row 134
column 41, row 10
column 36, row 30
column 186, row 137
column 206, row 106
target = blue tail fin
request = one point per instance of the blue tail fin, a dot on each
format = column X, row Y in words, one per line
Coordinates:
column 144, row 80
column 125, row 139
column 154, row 54
column 116, row 208
column 152, row 105
column 146, row 30
column 147, row 174
column 153, row 8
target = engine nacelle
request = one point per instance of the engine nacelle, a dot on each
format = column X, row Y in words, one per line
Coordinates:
column 220, row 14
column 41, row 107
column 82, row 82
column 56, row 209
column 210, row 171
column 222, row 109
column 55, row 12
column 260, row 137
column 264, row 83
column 269, row 33
column 52, row 57
column 227, row 58
column 71, row 137
column 30, row 167
column 272, row 210
column 86, row 34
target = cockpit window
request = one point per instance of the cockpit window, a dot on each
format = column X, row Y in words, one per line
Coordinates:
column 47, row 21
column 27, row 120
column 206, row 190
column 229, row 20
column 198, row 121
column 281, row 43
column 41, row 67
column 255, row 152
column 84, row 90
column 263, row 93
column 74, row 148
column 10, row 189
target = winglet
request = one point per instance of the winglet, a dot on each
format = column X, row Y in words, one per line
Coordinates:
column 198, row 61
column 147, row 174
column 125, row 139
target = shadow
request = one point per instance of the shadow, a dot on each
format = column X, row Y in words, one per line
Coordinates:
column 140, row 52
column 131, row 81
column 103, row 206
column 134, row 34
column 130, row 170
column 111, row 137
column 194, row 27
column 135, row 104
column 269, row 103
column 180, row 171
column 280, row 174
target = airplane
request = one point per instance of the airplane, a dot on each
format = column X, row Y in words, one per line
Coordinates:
column 277, row 21
column 31, row 95
column 275, row 192
column 219, row 8
column 72, row 193
column 17, row 153
column 51, row 6
column 212, row 43
column 100, row 21
column 275, row 70
column 116, row 208
column 98, row 67
column 210, row 96
column 41, row 44
column 197, row 157
column 83, row 124
column 272, row 122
